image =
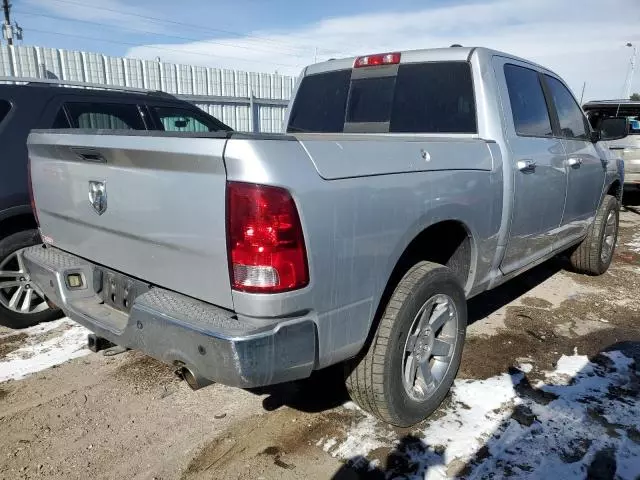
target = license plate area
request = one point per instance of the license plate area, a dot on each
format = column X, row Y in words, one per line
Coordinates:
column 117, row 290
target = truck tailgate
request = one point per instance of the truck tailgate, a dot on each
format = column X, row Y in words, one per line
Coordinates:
column 150, row 205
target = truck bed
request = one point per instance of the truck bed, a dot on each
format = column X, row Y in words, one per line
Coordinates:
column 165, row 224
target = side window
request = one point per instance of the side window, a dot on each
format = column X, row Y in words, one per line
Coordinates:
column 529, row 108
column 572, row 120
column 110, row 116
column 185, row 120
column 5, row 107
column 61, row 120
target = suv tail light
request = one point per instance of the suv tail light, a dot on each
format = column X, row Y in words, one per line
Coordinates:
column 266, row 246
column 30, row 186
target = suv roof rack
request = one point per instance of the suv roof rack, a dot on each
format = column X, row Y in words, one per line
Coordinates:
column 160, row 93
column 30, row 81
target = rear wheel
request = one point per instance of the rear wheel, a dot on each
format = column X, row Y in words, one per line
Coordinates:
column 594, row 255
column 415, row 354
column 22, row 303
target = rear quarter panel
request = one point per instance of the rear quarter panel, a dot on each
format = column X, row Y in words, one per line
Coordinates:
column 357, row 227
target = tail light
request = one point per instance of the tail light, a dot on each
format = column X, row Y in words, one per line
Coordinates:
column 377, row 60
column 266, row 246
column 30, row 186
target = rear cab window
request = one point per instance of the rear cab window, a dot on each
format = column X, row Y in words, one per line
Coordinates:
column 432, row 97
column 320, row 103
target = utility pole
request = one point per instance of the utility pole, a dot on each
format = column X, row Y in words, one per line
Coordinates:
column 7, row 28
column 629, row 80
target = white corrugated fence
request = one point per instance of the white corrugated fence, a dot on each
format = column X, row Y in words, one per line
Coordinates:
column 245, row 101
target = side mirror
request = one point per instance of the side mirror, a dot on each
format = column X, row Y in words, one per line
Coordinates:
column 181, row 123
column 614, row 128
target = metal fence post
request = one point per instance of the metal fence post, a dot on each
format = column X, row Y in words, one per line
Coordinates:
column 254, row 117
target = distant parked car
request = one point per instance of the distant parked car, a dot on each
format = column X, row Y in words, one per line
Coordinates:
column 33, row 106
column 627, row 148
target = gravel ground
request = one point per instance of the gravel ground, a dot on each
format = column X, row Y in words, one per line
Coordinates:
column 548, row 388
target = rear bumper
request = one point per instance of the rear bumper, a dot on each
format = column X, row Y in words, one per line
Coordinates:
column 182, row 331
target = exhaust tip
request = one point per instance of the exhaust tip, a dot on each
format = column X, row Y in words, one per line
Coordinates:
column 195, row 381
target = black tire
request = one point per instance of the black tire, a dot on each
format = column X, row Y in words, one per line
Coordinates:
column 9, row 318
column 587, row 256
column 375, row 379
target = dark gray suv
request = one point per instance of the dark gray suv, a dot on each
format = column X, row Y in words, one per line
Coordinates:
column 39, row 106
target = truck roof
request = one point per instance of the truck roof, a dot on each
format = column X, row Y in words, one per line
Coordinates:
column 421, row 55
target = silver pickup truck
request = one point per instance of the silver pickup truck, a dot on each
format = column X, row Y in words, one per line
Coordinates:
column 407, row 183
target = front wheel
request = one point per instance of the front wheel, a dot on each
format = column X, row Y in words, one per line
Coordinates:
column 22, row 303
column 594, row 255
column 415, row 353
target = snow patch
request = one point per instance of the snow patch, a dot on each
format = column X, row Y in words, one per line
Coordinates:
column 364, row 436
column 635, row 243
column 478, row 407
column 329, row 443
column 42, row 349
column 526, row 367
column 503, row 426
column 568, row 368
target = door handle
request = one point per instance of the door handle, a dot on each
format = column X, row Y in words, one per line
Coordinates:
column 526, row 166
column 574, row 162
column 89, row 155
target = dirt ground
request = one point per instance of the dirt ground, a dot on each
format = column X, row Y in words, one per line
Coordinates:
column 129, row 417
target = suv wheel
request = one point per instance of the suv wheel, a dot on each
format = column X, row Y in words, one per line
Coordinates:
column 416, row 351
column 22, row 303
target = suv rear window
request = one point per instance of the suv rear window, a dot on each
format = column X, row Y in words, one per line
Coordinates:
column 5, row 107
column 110, row 116
column 435, row 97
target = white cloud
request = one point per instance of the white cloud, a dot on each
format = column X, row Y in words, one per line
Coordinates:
column 581, row 42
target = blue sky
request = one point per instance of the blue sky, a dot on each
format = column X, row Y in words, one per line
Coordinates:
column 581, row 44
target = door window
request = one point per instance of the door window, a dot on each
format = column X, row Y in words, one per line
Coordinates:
column 528, row 105
column 5, row 107
column 573, row 123
column 110, row 116
column 61, row 120
column 185, row 120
